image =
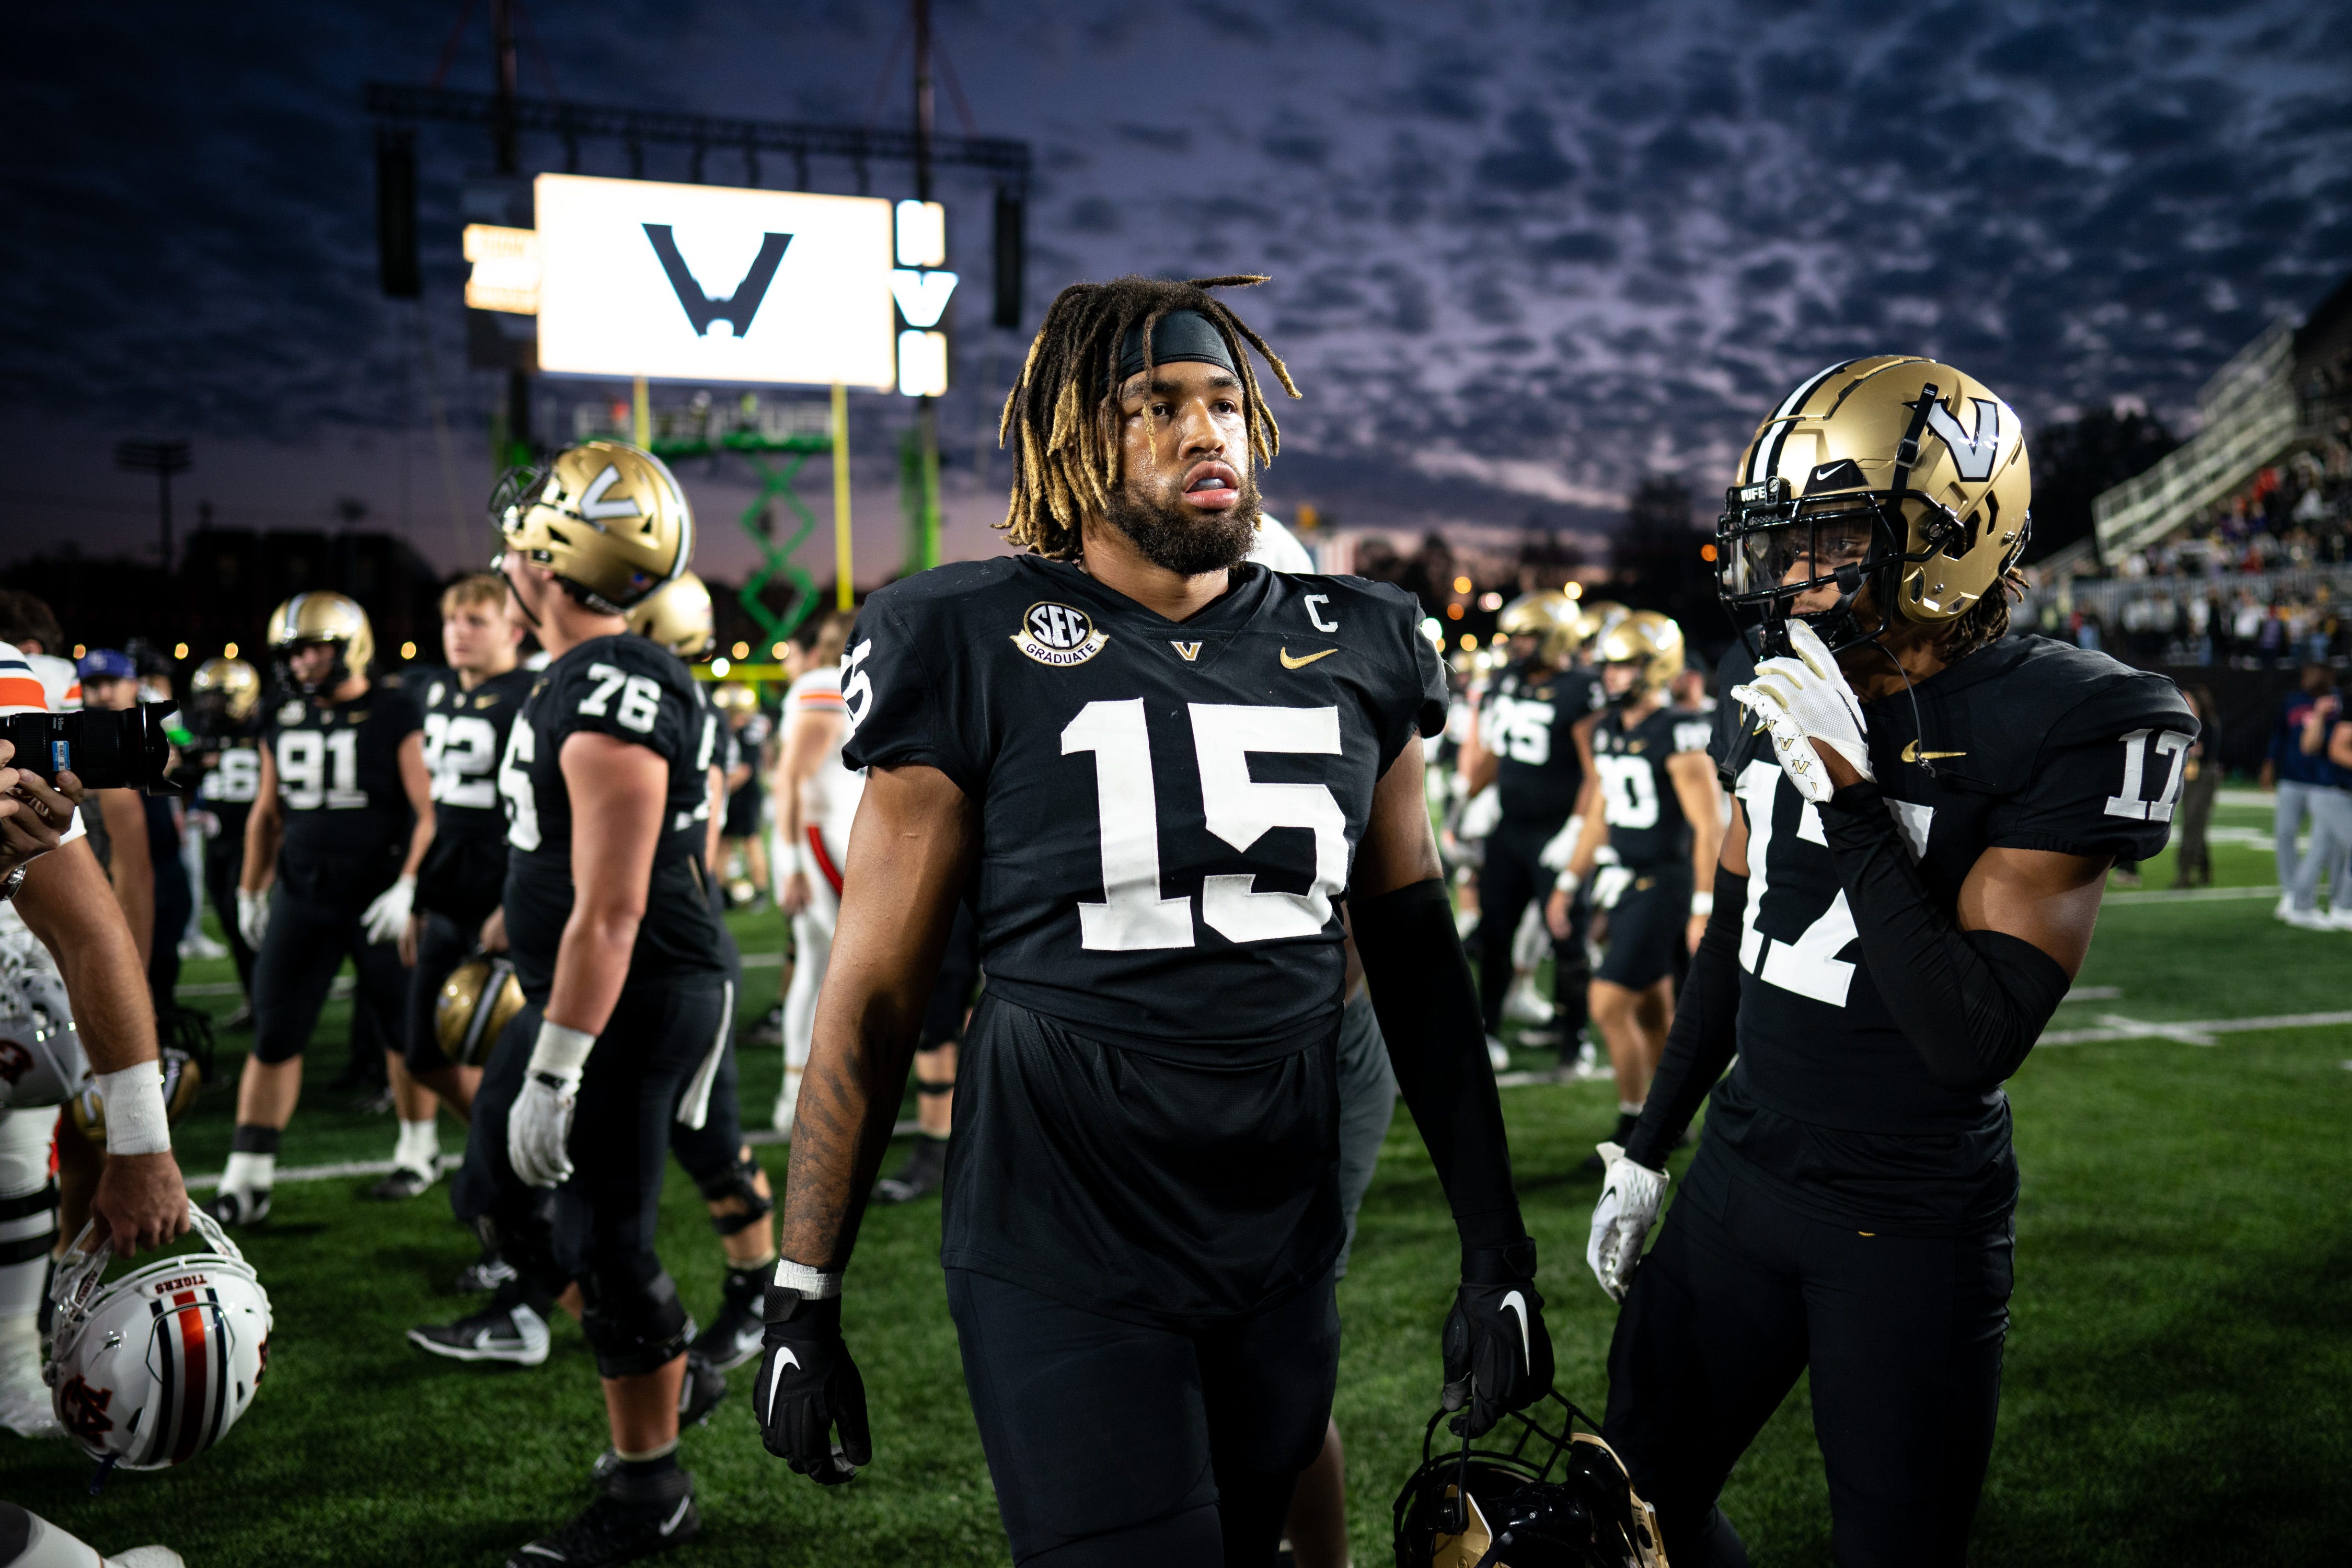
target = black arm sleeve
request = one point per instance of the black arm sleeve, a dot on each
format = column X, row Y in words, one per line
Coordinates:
column 1971, row 1003
column 1703, row 1039
column 1428, row 1010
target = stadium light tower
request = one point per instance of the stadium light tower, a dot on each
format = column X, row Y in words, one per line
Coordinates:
column 163, row 460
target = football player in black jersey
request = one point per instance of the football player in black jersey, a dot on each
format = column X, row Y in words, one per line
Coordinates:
column 222, row 714
column 622, row 963
column 1658, row 813
column 1522, row 741
column 467, row 707
column 1157, row 772
column 1925, row 809
column 341, row 821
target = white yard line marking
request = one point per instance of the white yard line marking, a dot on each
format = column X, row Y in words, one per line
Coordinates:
column 2094, row 994
column 2188, row 895
column 2199, row 1032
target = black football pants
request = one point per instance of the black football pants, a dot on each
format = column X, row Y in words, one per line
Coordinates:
column 305, row 944
column 223, row 859
column 441, row 946
column 1902, row 1336
column 1510, row 879
column 1119, row 1445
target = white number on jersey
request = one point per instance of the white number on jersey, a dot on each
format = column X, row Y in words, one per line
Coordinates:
column 1809, row 966
column 514, row 783
column 236, row 778
column 2126, row 802
column 640, row 698
column 1522, row 730
column 461, row 754
column 1133, row 917
column 306, row 758
column 858, row 688
column 1629, row 790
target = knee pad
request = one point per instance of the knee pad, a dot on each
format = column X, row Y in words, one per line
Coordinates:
column 634, row 1327
column 25, row 1139
column 738, row 1181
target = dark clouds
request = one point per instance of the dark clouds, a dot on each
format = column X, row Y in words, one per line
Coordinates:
column 1535, row 249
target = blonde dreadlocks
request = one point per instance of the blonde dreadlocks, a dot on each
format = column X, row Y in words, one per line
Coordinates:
column 1065, row 408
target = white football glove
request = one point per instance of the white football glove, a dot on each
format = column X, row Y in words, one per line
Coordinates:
column 1556, row 855
column 388, row 919
column 1630, row 1196
column 1804, row 701
column 253, row 916
column 538, row 1127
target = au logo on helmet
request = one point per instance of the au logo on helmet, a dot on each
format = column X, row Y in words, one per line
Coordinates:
column 1058, row 634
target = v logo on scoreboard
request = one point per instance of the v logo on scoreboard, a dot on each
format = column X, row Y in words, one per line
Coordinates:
column 738, row 309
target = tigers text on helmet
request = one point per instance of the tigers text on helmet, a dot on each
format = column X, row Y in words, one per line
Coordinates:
column 478, row 1001
column 679, row 617
column 1895, row 473
column 153, row 1368
column 1537, row 1494
column 1647, row 639
column 608, row 518
column 322, row 617
column 1550, row 616
column 222, row 694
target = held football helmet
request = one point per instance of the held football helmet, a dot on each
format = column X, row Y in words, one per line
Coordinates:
column 322, row 617
column 1895, row 473
column 222, row 694
column 1550, row 616
column 1538, row 1494
column 679, row 617
column 41, row 1061
column 182, row 1078
column 478, row 1001
column 150, row 1370
column 1649, row 639
column 608, row 518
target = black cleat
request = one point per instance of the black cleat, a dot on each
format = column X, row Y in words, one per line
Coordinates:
column 507, row 1332
column 733, row 1336
column 236, row 1207
column 1593, row 1161
column 401, row 1183
column 629, row 1520
column 919, row 1177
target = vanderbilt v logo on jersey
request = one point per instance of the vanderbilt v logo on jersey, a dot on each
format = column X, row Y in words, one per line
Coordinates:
column 1061, row 636
column 1188, row 651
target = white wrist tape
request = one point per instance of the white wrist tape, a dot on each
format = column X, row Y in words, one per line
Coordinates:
column 1701, row 903
column 560, row 1051
column 136, row 1122
column 814, row 1284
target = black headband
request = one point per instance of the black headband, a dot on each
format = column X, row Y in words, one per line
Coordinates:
column 1181, row 335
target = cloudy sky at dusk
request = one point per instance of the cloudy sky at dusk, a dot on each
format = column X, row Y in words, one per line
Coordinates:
column 1523, row 254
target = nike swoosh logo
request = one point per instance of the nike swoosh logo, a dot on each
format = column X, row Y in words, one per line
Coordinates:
column 1290, row 663
column 784, row 1358
column 1514, row 1302
column 1912, row 753
column 683, row 1504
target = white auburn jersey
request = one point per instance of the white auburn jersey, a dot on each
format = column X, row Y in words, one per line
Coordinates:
column 829, row 798
column 37, row 683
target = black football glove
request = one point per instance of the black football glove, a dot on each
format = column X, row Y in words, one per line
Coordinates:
column 1497, row 1351
column 808, row 1385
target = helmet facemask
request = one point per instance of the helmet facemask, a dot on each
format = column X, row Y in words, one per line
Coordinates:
column 1773, row 552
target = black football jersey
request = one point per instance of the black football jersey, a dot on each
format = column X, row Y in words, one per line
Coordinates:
column 1168, row 809
column 1646, row 825
column 630, row 689
column 347, row 814
column 232, row 776
column 2026, row 744
column 464, row 736
column 1528, row 720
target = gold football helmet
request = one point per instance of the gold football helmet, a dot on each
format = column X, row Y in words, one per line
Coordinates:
column 608, row 518
column 1647, row 639
column 1599, row 618
column 182, row 1079
column 677, row 615
column 479, row 999
column 1895, row 473
column 1549, row 615
column 222, row 694
column 324, row 617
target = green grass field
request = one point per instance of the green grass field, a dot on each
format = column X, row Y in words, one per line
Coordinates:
column 2180, row 1367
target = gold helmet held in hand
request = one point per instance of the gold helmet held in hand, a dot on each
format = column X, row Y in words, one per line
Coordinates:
column 322, row 617
column 1895, row 473
column 1549, row 615
column 1647, row 639
column 480, row 997
column 608, row 518
column 679, row 617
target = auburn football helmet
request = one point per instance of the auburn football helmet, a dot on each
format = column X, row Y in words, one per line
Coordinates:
column 322, row 617
column 182, row 1078
column 1549, row 615
column 608, row 518
column 153, row 1368
column 41, row 1061
column 1649, row 639
column 478, row 1001
column 1895, row 473
column 679, row 617
column 1537, row 1494
column 222, row 694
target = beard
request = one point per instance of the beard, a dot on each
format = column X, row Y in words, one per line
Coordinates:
column 1184, row 539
